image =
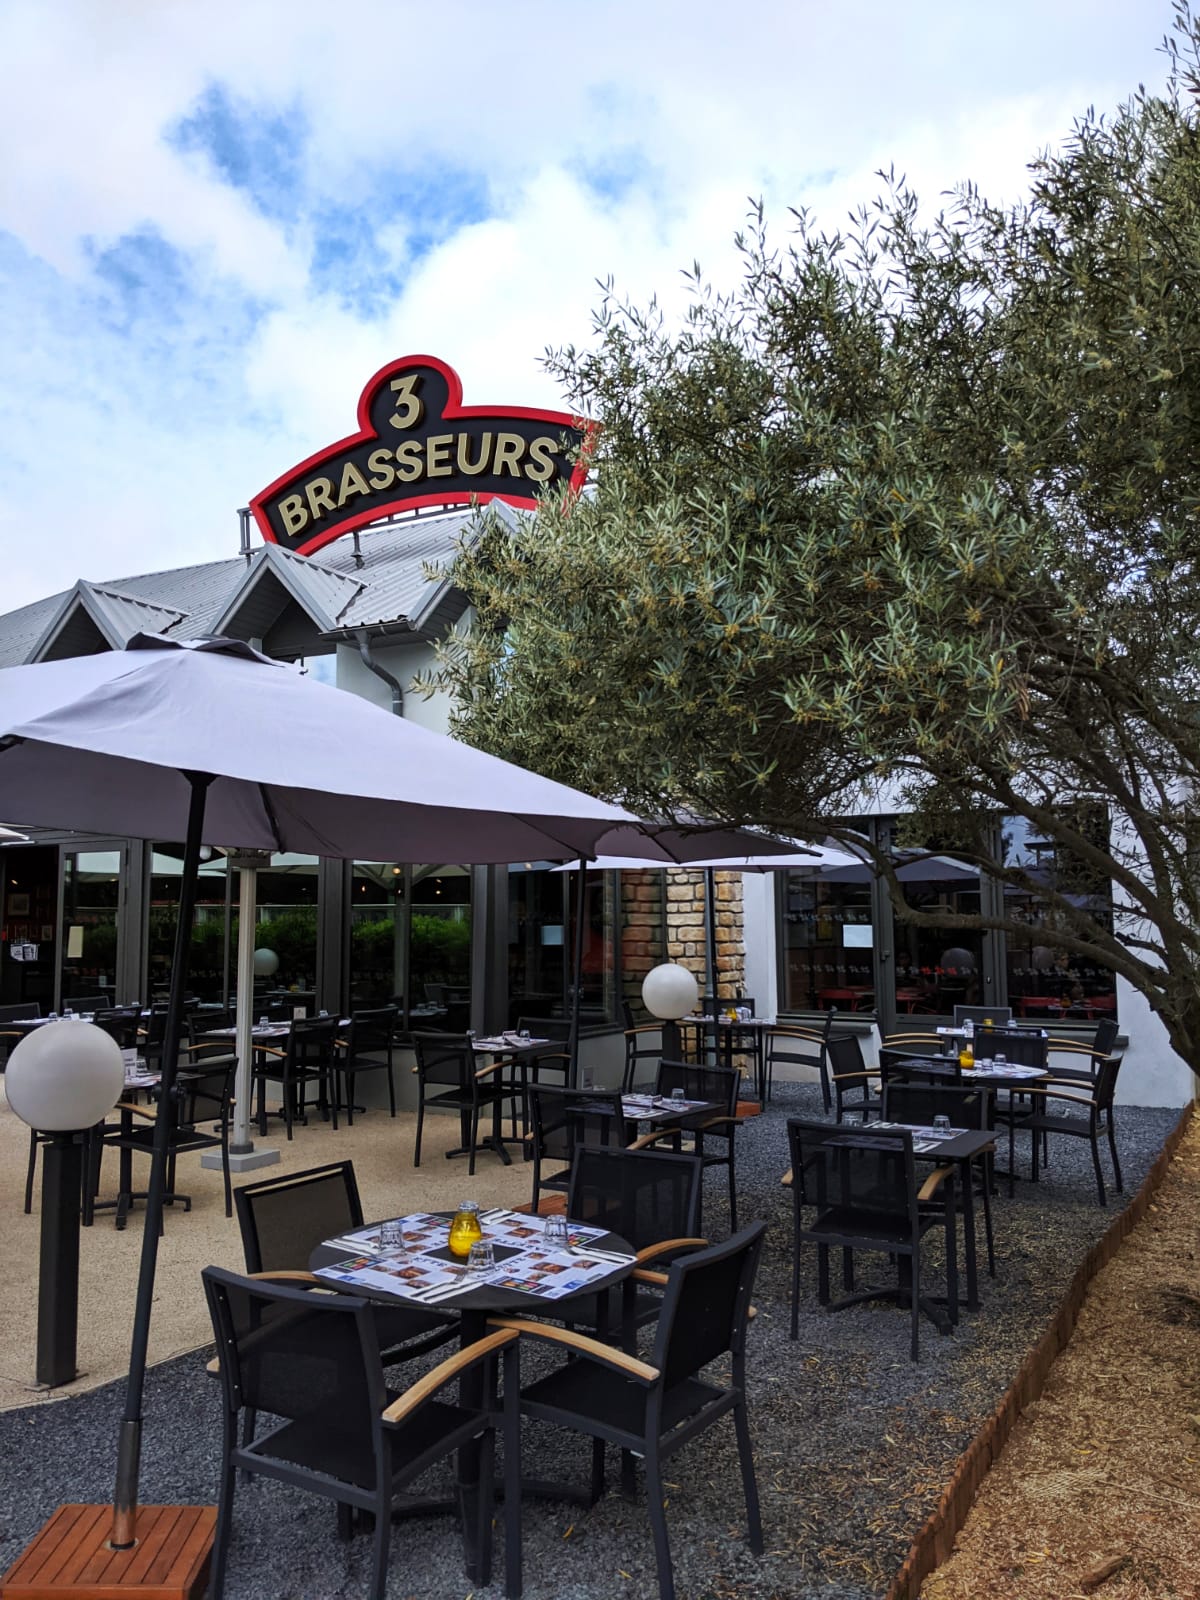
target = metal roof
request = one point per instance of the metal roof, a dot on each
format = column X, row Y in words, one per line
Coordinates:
column 376, row 580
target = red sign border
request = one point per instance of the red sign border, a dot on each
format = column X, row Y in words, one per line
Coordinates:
column 454, row 409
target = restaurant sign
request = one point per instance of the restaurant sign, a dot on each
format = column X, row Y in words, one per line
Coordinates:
column 418, row 445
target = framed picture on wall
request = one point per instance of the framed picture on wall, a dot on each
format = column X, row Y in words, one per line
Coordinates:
column 47, row 932
column 18, row 905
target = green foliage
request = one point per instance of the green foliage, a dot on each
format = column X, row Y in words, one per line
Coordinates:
column 909, row 517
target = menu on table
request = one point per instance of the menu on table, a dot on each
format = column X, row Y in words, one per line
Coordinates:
column 1004, row 1069
column 425, row 1265
column 924, row 1139
column 658, row 1105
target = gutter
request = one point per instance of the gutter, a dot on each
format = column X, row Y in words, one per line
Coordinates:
column 363, row 636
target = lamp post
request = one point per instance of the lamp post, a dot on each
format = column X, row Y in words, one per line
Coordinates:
column 669, row 992
column 62, row 1079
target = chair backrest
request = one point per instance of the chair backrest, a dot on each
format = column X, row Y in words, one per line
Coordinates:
column 563, row 1120
column 206, row 1093
column 641, row 1044
column 919, row 1103
column 290, row 1353
column 1023, row 1046
column 1107, row 1030
column 373, row 1032
column 706, row 1306
column 98, row 1000
column 700, row 1082
column 1000, row 1015
column 445, row 1058
column 20, row 1011
column 284, row 1219
column 846, row 1059
column 310, row 1042
column 201, row 1022
column 645, row 1196
column 1105, row 1084
column 835, row 1167
column 895, row 1066
column 119, row 1025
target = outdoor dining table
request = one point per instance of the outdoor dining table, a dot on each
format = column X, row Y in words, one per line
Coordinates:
column 527, row 1280
column 737, row 1036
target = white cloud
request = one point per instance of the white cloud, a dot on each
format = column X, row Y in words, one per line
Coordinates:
column 174, row 341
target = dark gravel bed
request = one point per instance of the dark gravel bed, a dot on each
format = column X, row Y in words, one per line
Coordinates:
column 853, row 1442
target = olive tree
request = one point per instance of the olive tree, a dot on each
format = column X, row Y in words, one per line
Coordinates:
column 908, row 517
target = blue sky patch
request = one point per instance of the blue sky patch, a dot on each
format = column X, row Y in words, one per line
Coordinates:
column 259, row 153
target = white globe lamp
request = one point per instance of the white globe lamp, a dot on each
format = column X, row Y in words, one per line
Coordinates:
column 62, row 1078
column 670, row 991
column 266, row 963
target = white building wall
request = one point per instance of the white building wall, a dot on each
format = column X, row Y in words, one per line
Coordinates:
column 403, row 662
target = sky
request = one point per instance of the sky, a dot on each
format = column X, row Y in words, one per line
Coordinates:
column 218, row 220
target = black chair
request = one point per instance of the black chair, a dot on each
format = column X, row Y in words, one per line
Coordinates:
column 307, row 1058
column 1096, row 1099
column 649, row 1198
column 861, row 1189
column 310, row 1363
column 977, row 1015
column 653, row 1408
column 98, row 1000
column 713, row 1134
column 555, row 1057
column 366, row 1046
column 449, row 1076
column 563, row 1120
column 151, row 1037
column 855, row 1087
column 1103, row 1041
column 205, row 1094
column 282, row 1221
column 794, row 1045
column 1025, row 1047
column 966, row 1107
column 642, row 1044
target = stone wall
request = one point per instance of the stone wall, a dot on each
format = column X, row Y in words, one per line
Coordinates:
column 667, row 923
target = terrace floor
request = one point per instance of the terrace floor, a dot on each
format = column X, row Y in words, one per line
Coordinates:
column 853, row 1441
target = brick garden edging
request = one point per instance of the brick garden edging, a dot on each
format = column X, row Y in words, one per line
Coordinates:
column 935, row 1541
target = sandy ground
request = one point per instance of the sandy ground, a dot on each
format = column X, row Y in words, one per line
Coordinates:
column 380, row 1148
column 1100, row 1476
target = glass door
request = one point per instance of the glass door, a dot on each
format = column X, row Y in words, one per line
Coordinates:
column 91, row 928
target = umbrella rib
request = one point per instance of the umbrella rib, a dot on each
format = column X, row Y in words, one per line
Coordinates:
column 271, row 817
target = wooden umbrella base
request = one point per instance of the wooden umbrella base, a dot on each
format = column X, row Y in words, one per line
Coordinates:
column 71, row 1556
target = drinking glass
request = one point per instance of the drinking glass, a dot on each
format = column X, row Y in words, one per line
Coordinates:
column 941, row 1126
column 482, row 1258
column 999, row 1060
column 555, row 1233
column 391, row 1235
column 262, row 1021
column 678, row 1094
column 524, row 1035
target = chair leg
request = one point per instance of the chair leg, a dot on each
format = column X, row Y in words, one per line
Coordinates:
column 732, row 1193
column 512, row 1474
column 225, row 1167
column 474, row 1140
column 349, row 1100
column 596, row 1484
column 391, row 1083
column 420, row 1124
column 1096, row 1165
column 1112, row 1146
column 658, row 1521
column 224, row 1526
column 795, row 1332
column 749, row 1486
column 987, row 1216
column 823, row 1274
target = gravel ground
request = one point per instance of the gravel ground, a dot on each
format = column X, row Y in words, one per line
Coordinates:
column 853, row 1442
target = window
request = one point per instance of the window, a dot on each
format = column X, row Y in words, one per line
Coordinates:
column 410, row 940
column 828, row 940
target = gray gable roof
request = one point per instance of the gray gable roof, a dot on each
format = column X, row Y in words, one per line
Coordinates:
column 377, row 581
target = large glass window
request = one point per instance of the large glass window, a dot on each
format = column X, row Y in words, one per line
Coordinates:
column 937, row 968
column 541, row 941
column 828, row 940
column 1043, row 981
column 210, row 958
column 410, row 941
column 91, row 900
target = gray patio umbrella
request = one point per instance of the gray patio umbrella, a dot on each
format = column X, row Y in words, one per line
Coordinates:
column 212, row 742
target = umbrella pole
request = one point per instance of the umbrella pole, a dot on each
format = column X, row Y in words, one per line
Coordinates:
column 129, row 1448
column 710, row 918
column 577, row 987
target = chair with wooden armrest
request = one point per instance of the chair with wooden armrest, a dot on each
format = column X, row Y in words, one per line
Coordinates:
column 366, row 1046
column 652, row 1408
column 643, row 1043
column 793, row 1044
column 449, row 1078
column 713, row 1135
column 855, row 1189
column 306, row 1058
column 1102, row 1045
column 855, row 1087
column 1045, row 1117
column 311, row 1364
column 563, row 1121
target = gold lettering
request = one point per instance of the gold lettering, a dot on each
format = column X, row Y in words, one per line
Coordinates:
column 353, row 483
column 437, row 455
column 510, row 447
column 464, row 454
column 292, row 513
column 319, row 492
column 380, row 463
column 540, row 466
column 409, row 410
column 409, row 460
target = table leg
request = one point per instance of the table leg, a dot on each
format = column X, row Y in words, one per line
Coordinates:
column 969, row 1250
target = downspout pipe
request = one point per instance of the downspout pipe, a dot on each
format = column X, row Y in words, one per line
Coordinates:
column 363, row 636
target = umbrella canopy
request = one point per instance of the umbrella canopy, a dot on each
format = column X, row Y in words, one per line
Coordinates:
column 816, row 857
column 104, row 743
